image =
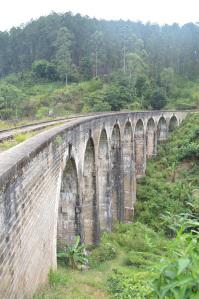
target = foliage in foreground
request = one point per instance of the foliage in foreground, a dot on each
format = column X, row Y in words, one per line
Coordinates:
column 126, row 285
column 178, row 277
column 174, row 274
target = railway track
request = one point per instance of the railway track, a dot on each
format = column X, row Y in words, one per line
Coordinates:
column 10, row 133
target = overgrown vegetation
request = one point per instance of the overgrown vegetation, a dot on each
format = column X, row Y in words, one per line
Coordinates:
column 156, row 257
column 29, row 99
column 109, row 65
column 171, row 183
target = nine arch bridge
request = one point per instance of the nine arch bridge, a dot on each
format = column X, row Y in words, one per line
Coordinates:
column 78, row 178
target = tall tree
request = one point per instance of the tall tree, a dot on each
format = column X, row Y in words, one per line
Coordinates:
column 167, row 79
column 97, row 47
column 63, row 52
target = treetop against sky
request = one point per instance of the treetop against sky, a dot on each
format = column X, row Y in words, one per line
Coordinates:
column 14, row 13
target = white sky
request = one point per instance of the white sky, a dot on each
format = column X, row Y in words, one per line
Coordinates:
column 16, row 12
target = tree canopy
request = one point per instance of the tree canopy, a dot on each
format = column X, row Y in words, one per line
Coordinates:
column 130, row 65
column 105, row 45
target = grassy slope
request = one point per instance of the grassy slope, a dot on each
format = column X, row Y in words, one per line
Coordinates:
column 139, row 247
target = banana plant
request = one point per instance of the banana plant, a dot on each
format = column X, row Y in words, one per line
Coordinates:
column 75, row 255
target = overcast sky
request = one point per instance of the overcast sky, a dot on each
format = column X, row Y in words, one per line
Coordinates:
column 16, row 12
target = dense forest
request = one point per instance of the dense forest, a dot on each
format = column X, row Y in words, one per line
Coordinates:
column 86, row 39
column 134, row 65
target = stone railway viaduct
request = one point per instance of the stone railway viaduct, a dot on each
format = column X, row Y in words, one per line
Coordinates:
column 78, row 178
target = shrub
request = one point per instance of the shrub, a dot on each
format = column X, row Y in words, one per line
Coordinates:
column 158, row 99
column 189, row 151
column 42, row 112
column 139, row 259
column 127, row 286
column 42, row 69
column 137, row 237
column 105, row 251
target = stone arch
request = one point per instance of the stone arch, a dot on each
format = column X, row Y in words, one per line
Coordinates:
column 139, row 145
column 173, row 123
column 89, row 203
column 161, row 130
column 129, row 172
column 116, row 175
column 150, row 138
column 68, row 214
column 104, row 183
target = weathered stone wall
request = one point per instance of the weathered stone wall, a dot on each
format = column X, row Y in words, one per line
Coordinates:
column 151, row 142
column 116, row 174
column 68, row 218
column 129, row 172
column 140, row 148
column 104, row 182
column 51, row 187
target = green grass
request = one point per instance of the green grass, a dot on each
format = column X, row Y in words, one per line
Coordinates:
column 132, row 274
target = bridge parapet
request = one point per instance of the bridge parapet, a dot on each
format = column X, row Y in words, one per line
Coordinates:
column 77, row 178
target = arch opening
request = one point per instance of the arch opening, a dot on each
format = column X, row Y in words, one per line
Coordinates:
column 173, row 123
column 68, row 226
column 129, row 173
column 139, row 148
column 104, row 183
column 116, row 174
column 89, row 204
column 161, row 130
column 150, row 138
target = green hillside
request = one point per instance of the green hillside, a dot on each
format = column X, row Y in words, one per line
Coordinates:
column 107, row 65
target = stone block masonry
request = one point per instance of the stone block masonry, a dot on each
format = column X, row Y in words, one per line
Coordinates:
column 75, row 179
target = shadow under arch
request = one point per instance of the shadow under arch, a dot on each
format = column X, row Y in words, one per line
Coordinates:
column 89, row 202
column 104, row 183
column 150, row 138
column 68, row 226
column 161, row 130
column 129, row 172
column 139, row 148
column 116, row 175
column 173, row 123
